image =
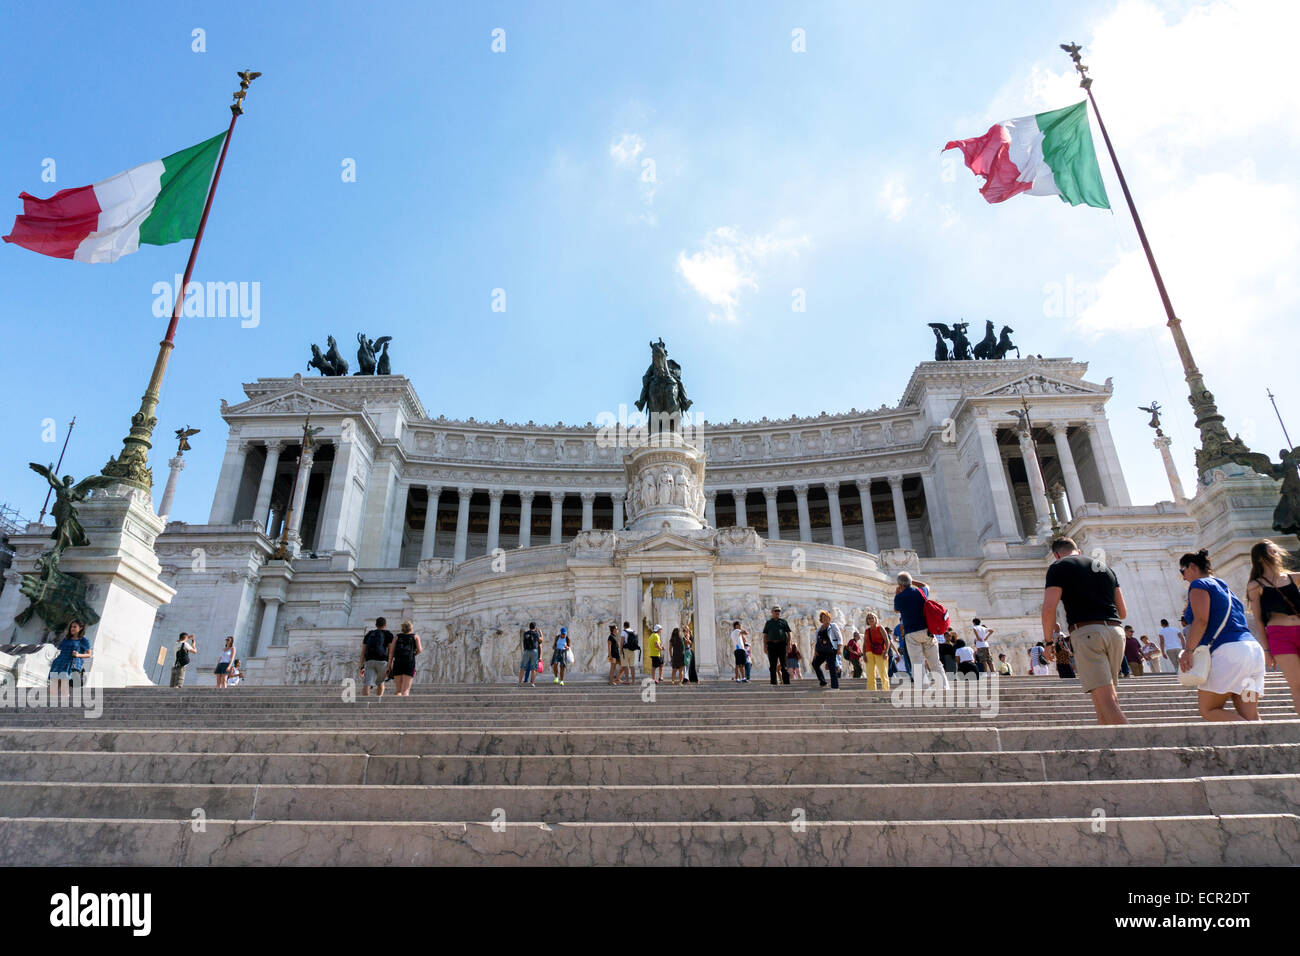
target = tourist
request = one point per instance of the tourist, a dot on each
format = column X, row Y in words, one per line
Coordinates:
column 776, row 635
column 185, row 649
column 677, row 655
column 794, row 661
column 374, row 657
column 1003, row 667
column 923, row 647
column 738, row 651
column 749, row 660
column 1132, row 651
column 615, row 654
column 1151, row 656
column 236, row 675
column 223, row 663
column 656, row 655
column 1038, row 660
column 559, row 659
column 1171, row 640
column 401, row 659
column 878, row 648
column 1094, row 607
column 900, row 647
column 983, row 654
column 532, row 646
column 964, row 656
column 827, row 649
column 1216, row 617
column 631, row 647
column 689, row 640
column 1274, row 602
column 74, row 651
column 853, row 653
column 948, row 651
column 1064, row 654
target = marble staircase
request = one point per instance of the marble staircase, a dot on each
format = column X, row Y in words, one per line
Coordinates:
column 713, row 774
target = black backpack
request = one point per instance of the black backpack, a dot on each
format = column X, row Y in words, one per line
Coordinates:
column 530, row 640
column 824, row 646
column 404, row 653
column 631, row 643
column 182, row 655
column 376, row 647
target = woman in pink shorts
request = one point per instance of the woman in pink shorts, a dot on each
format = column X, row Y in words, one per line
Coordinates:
column 1274, row 603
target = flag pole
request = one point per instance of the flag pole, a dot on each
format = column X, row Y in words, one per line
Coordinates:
column 72, row 424
column 1217, row 446
column 131, row 466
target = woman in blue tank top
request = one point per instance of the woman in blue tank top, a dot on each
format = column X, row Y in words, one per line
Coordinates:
column 1216, row 618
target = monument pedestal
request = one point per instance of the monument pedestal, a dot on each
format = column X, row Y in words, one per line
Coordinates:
column 123, row 581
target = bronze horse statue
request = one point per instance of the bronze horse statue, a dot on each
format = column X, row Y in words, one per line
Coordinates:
column 331, row 363
column 984, row 350
column 662, row 394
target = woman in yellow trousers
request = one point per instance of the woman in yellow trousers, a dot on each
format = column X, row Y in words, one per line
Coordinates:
column 876, row 644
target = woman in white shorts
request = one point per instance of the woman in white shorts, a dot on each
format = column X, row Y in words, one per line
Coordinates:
column 1216, row 617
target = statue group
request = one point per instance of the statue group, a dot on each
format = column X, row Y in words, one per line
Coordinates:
column 372, row 357
column 990, row 347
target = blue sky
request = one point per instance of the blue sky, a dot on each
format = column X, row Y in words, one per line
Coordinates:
column 774, row 170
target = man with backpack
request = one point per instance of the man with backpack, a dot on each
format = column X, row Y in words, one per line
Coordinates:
column 776, row 634
column 532, row 644
column 374, row 657
column 631, row 647
column 184, row 651
column 923, row 620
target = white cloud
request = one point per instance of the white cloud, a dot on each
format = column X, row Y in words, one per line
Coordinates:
column 729, row 262
column 627, row 149
column 894, row 199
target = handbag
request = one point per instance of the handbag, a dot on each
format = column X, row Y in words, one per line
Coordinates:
column 568, row 657
column 541, row 666
column 1199, row 672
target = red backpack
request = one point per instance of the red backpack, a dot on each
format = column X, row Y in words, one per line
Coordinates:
column 936, row 617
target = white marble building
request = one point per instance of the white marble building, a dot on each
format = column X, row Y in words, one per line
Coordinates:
column 472, row 529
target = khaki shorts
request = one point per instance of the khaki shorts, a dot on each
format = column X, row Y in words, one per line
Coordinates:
column 1098, row 649
column 629, row 659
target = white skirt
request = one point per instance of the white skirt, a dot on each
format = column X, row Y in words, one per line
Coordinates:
column 1236, row 668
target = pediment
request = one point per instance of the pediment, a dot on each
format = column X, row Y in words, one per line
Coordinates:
column 667, row 542
column 1037, row 383
column 290, row 402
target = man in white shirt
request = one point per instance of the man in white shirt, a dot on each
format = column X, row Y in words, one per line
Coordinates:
column 738, row 634
column 983, row 656
column 1171, row 642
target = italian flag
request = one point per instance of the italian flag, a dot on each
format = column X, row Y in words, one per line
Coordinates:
column 1049, row 154
column 156, row 203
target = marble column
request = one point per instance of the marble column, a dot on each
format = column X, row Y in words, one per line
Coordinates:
column 267, row 631
column 711, row 507
column 837, row 520
column 1073, row 488
column 462, row 524
column 341, row 507
column 1004, row 509
column 494, row 518
column 588, row 505
column 900, row 512
column 397, row 525
column 177, row 465
column 871, row 541
column 525, row 519
column 557, row 517
column 773, row 515
column 1037, row 487
column 430, row 539
column 232, row 475
column 938, row 527
column 738, row 495
column 1162, row 443
column 1103, row 452
column 305, row 460
column 617, row 498
column 263, row 506
column 1056, row 495
column 801, row 501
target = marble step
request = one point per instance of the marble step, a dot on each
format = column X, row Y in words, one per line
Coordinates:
column 655, row 804
column 649, row 769
column 907, row 738
column 1202, row 840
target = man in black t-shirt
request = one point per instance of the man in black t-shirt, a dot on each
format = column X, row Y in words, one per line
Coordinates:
column 1094, row 608
column 374, row 657
column 776, row 634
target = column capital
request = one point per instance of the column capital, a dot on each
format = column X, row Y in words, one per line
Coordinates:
column 178, row 463
column 710, row 494
column 1087, row 427
column 587, row 497
column 435, row 491
column 526, row 496
column 496, row 494
column 739, row 493
column 801, row 489
column 864, row 485
column 276, row 445
column 465, row 492
column 1058, row 428
column 771, row 491
column 895, row 482
column 832, row 489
